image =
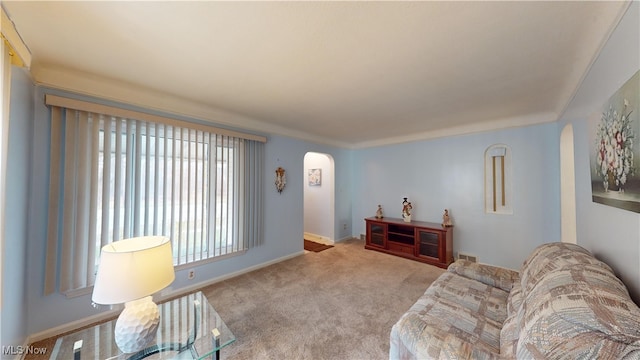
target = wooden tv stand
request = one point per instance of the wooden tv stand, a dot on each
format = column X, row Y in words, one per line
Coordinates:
column 428, row 242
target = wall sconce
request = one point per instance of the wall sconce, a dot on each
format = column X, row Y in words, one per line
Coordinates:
column 281, row 179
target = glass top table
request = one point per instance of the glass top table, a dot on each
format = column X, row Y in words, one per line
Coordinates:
column 190, row 328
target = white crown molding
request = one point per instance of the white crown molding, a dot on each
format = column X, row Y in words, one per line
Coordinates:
column 500, row 124
column 114, row 90
column 118, row 91
column 13, row 37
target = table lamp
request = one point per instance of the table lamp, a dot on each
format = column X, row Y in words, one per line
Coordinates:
column 130, row 271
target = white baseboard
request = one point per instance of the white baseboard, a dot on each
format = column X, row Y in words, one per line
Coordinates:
column 318, row 238
column 73, row 325
column 194, row 287
column 345, row 238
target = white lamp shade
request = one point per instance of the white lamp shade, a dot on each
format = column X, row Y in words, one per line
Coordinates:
column 133, row 268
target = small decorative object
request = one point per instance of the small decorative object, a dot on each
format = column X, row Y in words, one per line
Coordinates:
column 281, row 180
column 406, row 210
column 315, row 177
column 446, row 220
column 379, row 212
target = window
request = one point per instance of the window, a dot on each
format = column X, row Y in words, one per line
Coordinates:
column 172, row 171
column 115, row 177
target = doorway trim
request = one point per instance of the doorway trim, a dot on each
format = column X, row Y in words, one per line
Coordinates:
column 319, row 200
column 567, row 187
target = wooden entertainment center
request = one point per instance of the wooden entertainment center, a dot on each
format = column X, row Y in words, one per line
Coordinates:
column 428, row 242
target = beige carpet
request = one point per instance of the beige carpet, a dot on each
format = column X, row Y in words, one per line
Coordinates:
column 335, row 304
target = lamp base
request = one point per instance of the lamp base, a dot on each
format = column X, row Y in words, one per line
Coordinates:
column 137, row 325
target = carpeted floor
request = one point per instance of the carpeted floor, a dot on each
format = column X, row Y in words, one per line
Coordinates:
column 337, row 304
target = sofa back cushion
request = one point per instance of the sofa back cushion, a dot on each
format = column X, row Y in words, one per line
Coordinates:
column 550, row 257
column 574, row 307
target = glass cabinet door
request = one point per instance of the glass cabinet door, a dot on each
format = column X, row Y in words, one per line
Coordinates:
column 376, row 234
column 428, row 243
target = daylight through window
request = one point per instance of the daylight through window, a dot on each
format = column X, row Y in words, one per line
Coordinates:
column 114, row 178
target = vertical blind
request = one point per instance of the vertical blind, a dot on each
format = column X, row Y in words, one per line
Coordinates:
column 115, row 177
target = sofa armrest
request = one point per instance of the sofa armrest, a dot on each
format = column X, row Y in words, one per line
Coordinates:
column 499, row 277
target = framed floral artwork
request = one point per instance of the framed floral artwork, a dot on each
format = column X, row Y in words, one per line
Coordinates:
column 614, row 150
column 315, row 177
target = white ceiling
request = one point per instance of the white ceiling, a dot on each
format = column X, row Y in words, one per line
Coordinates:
column 345, row 73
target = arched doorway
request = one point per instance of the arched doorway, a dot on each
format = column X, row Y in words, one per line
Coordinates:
column 319, row 198
column 567, row 187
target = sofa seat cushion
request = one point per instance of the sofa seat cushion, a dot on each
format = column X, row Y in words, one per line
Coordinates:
column 469, row 315
column 495, row 276
column 511, row 327
column 514, row 301
column 509, row 335
column 479, row 298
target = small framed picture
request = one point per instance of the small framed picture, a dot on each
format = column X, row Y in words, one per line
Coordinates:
column 315, row 177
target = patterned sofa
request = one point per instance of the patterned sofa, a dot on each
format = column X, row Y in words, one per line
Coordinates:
column 563, row 304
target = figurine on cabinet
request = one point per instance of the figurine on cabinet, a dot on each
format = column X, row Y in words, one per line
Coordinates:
column 406, row 210
column 446, row 220
column 379, row 212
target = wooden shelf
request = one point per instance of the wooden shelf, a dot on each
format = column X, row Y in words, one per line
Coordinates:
column 428, row 242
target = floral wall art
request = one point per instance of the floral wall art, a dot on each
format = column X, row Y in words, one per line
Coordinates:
column 614, row 149
column 315, row 177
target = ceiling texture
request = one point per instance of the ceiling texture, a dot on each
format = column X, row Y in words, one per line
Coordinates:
column 350, row 74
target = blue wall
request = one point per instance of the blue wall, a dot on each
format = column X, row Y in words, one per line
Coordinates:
column 14, row 286
column 283, row 232
column 610, row 233
column 448, row 173
column 434, row 174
